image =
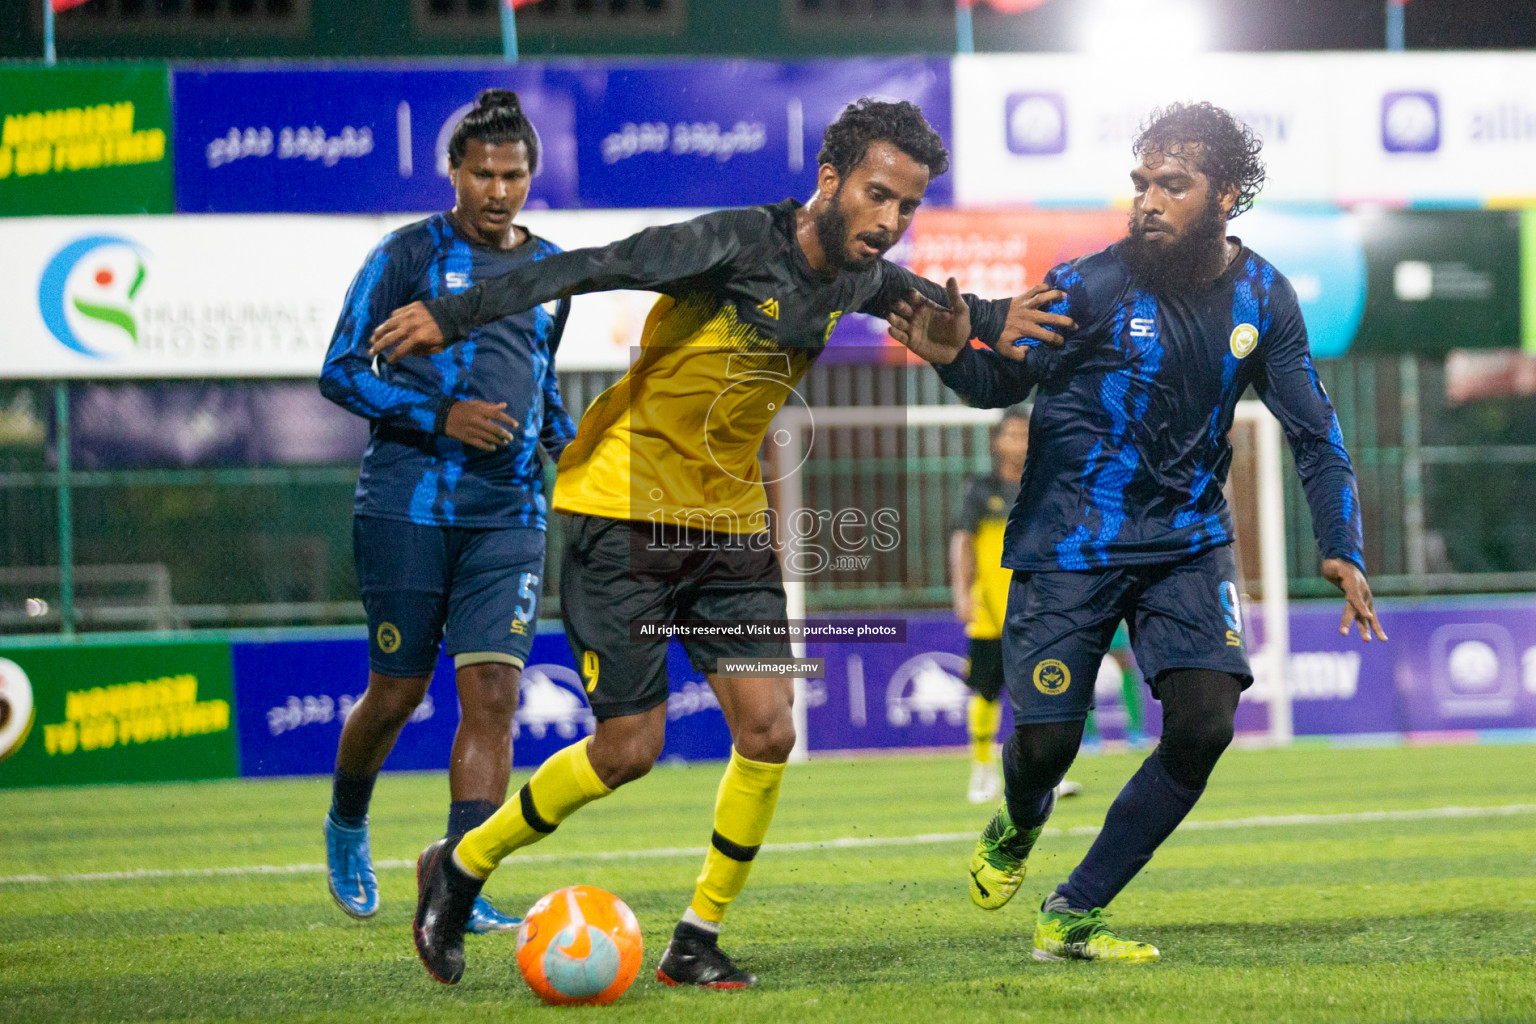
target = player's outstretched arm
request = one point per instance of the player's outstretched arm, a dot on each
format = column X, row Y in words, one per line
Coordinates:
column 937, row 332
column 1290, row 388
column 933, row 332
column 1359, row 607
column 1030, row 321
column 651, row 260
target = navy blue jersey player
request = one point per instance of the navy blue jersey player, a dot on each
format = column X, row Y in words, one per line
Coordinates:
column 448, row 526
column 1121, row 515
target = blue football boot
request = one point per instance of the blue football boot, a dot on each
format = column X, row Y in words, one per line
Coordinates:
column 349, row 869
column 485, row 919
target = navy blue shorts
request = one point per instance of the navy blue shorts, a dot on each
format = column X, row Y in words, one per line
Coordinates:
column 480, row 586
column 1060, row 624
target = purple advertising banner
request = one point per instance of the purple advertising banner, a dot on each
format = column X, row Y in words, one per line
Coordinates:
column 881, row 696
column 292, row 696
column 1451, row 666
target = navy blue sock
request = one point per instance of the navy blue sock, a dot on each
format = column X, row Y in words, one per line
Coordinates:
column 1035, row 759
column 464, row 815
column 350, row 795
column 1145, row 813
column 1028, row 806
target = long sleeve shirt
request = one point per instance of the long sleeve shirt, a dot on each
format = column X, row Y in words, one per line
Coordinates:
column 411, row 471
column 742, row 316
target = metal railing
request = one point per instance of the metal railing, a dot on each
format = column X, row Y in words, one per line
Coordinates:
column 1448, row 493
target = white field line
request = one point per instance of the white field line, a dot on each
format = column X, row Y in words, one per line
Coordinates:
column 843, row 843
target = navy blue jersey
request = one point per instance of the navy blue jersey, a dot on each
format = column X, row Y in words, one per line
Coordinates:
column 1128, row 439
column 411, row 471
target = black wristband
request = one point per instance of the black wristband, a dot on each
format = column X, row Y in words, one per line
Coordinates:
column 441, row 422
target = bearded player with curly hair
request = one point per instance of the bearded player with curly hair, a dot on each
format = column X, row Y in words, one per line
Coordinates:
column 749, row 298
column 1120, row 515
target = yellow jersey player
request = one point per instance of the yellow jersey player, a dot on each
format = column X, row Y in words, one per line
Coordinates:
column 667, row 515
column 980, row 588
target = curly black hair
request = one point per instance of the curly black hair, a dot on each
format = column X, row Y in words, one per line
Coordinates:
column 497, row 119
column 870, row 120
column 1229, row 149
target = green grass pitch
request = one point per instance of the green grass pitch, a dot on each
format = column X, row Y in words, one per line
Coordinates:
column 1338, row 918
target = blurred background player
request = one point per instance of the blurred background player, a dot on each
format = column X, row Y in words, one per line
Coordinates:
column 750, row 295
column 1119, row 681
column 980, row 591
column 448, row 525
column 1121, row 514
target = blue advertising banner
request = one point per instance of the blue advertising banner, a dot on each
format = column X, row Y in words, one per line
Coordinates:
column 292, row 696
column 732, row 133
column 670, row 134
column 349, row 140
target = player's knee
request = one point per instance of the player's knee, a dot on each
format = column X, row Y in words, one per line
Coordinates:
column 488, row 693
column 392, row 700
column 1190, row 750
column 769, row 740
column 1044, row 750
column 623, row 759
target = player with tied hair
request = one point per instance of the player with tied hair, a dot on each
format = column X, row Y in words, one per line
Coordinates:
column 449, row 514
column 1121, row 513
column 749, row 298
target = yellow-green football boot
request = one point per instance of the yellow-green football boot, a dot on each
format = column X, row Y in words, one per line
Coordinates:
column 1063, row 934
column 997, row 865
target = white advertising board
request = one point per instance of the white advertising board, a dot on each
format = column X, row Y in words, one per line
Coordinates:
column 174, row 296
column 1054, row 128
column 1337, row 127
column 1450, row 128
column 239, row 296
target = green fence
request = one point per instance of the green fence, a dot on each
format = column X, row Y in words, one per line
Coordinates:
column 1449, row 495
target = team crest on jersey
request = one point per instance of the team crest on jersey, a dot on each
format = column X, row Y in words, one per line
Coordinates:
column 1052, row 677
column 769, row 308
column 1244, row 338
column 388, row 638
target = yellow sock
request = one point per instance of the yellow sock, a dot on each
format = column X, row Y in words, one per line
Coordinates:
column 749, row 792
column 563, row 785
column 984, row 716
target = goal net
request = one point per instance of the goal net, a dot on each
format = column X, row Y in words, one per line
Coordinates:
column 821, row 461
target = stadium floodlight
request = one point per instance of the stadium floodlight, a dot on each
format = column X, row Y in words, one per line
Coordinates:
column 1147, row 28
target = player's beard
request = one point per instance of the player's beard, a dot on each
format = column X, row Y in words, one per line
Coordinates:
column 832, row 233
column 1187, row 263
